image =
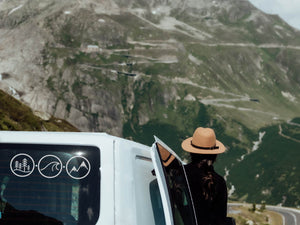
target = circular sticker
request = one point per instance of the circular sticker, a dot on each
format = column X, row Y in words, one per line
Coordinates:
column 78, row 167
column 50, row 166
column 22, row 165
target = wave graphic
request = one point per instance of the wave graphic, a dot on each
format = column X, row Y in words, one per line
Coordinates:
column 53, row 165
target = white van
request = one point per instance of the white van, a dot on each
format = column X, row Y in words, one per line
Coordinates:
column 90, row 179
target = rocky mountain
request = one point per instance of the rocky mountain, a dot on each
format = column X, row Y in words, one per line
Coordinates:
column 135, row 68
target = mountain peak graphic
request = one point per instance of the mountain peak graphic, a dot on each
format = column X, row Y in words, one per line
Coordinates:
column 82, row 165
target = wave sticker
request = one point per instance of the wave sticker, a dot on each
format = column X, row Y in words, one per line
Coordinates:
column 50, row 166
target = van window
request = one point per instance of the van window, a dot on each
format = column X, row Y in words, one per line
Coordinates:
column 49, row 184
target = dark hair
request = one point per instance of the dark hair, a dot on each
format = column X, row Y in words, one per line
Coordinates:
column 205, row 164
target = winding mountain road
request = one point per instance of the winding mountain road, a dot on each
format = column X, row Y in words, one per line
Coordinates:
column 290, row 216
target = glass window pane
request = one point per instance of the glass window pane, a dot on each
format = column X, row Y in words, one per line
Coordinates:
column 50, row 184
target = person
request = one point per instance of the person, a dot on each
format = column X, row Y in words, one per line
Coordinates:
column 208, row 189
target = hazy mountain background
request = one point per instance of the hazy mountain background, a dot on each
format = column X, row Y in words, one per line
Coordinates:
column 136, row 68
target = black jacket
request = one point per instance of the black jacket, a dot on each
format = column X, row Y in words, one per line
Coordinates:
column 208, row 212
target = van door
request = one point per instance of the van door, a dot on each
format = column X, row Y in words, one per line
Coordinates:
column 173, row 185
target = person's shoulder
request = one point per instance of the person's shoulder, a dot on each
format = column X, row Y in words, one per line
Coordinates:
column 219, row 178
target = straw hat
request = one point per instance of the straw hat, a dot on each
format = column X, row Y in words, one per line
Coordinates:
column 203, row 142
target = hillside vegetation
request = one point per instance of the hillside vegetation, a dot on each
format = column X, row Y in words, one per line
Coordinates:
column 271, row 172
column 15, row 116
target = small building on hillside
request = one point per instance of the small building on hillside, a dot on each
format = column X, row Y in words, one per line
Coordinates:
column 93, row 48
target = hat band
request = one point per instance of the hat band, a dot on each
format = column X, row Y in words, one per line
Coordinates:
column 206, row 148
column 167, row 159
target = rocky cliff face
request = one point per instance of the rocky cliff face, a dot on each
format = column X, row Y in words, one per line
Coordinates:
column 85, row 60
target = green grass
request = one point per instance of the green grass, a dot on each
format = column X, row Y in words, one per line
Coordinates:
column 15, row 116
column 270, row 173
column 291, row 131
column 296, row 120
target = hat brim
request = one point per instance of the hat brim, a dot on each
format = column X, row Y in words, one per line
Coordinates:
column 168, row 162
column 187, row 146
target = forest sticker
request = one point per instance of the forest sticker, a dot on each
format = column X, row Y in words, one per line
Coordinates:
column 22, row 165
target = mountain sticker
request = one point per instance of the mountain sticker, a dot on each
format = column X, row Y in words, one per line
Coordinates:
column 78, row 167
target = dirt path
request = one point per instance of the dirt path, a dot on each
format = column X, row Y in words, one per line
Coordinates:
column 285, row 136
column 271, row 45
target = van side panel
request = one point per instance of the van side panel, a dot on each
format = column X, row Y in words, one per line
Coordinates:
column 143, row 177
column 123, row 184
column 133, row 176
column 107, row 181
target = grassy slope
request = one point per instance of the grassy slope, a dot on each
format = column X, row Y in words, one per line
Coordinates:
column 271, row 173
column 14, row 115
